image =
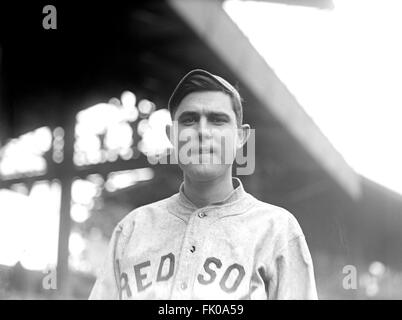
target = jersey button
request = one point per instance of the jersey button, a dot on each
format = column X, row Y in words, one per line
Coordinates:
column 201, row 214
column 183, row 286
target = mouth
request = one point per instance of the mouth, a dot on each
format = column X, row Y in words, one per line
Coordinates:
column 205, row 150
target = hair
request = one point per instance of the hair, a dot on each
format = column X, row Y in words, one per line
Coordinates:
column 201, row 83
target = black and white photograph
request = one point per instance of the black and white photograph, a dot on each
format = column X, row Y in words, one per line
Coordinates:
column 201, row 150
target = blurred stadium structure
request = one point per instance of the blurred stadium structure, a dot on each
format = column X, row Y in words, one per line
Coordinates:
column 81, row 107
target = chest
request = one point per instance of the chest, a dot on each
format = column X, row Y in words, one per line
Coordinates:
column 200, row 259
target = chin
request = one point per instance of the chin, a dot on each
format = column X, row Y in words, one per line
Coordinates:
column 204, row 172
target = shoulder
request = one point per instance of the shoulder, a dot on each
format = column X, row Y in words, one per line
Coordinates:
column 141, row 215
column 146, row 210
column 281, row 220
column 282, row 229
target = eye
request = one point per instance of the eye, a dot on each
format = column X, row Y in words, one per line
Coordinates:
column 218, row 120
column 188, row 120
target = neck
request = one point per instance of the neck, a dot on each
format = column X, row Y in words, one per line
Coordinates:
column 203, row 193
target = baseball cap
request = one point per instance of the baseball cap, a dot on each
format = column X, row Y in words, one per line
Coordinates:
column 195, row 78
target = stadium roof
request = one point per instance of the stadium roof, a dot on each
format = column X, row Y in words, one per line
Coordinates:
column 49, row 75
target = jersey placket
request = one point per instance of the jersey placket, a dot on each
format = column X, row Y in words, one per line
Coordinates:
column 190, row 255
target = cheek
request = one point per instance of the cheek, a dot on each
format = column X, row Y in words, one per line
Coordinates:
column 225, row 139
column 225, row 146
column 185, row 136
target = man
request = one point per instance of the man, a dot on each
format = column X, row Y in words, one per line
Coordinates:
column 211, row 240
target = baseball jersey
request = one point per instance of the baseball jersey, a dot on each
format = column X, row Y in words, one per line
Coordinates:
column 238, row 248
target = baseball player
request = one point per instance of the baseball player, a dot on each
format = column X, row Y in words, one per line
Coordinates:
column 212, row 239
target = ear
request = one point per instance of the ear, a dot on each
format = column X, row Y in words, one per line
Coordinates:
column 243, row 133
column 168, row 130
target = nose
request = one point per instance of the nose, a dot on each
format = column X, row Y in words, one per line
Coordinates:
column 204, row 131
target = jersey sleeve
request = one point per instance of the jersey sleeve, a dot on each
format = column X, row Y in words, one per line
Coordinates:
column 292, row 273
column 107, row 284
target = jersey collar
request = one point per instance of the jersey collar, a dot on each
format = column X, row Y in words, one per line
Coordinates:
column 237, row 202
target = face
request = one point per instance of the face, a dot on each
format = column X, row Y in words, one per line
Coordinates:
column 207, row 135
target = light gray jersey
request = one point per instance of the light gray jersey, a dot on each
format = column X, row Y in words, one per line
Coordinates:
column 240, row 248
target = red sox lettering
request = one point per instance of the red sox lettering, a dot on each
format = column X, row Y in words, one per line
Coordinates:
column 207, row 268
column 144, row 280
